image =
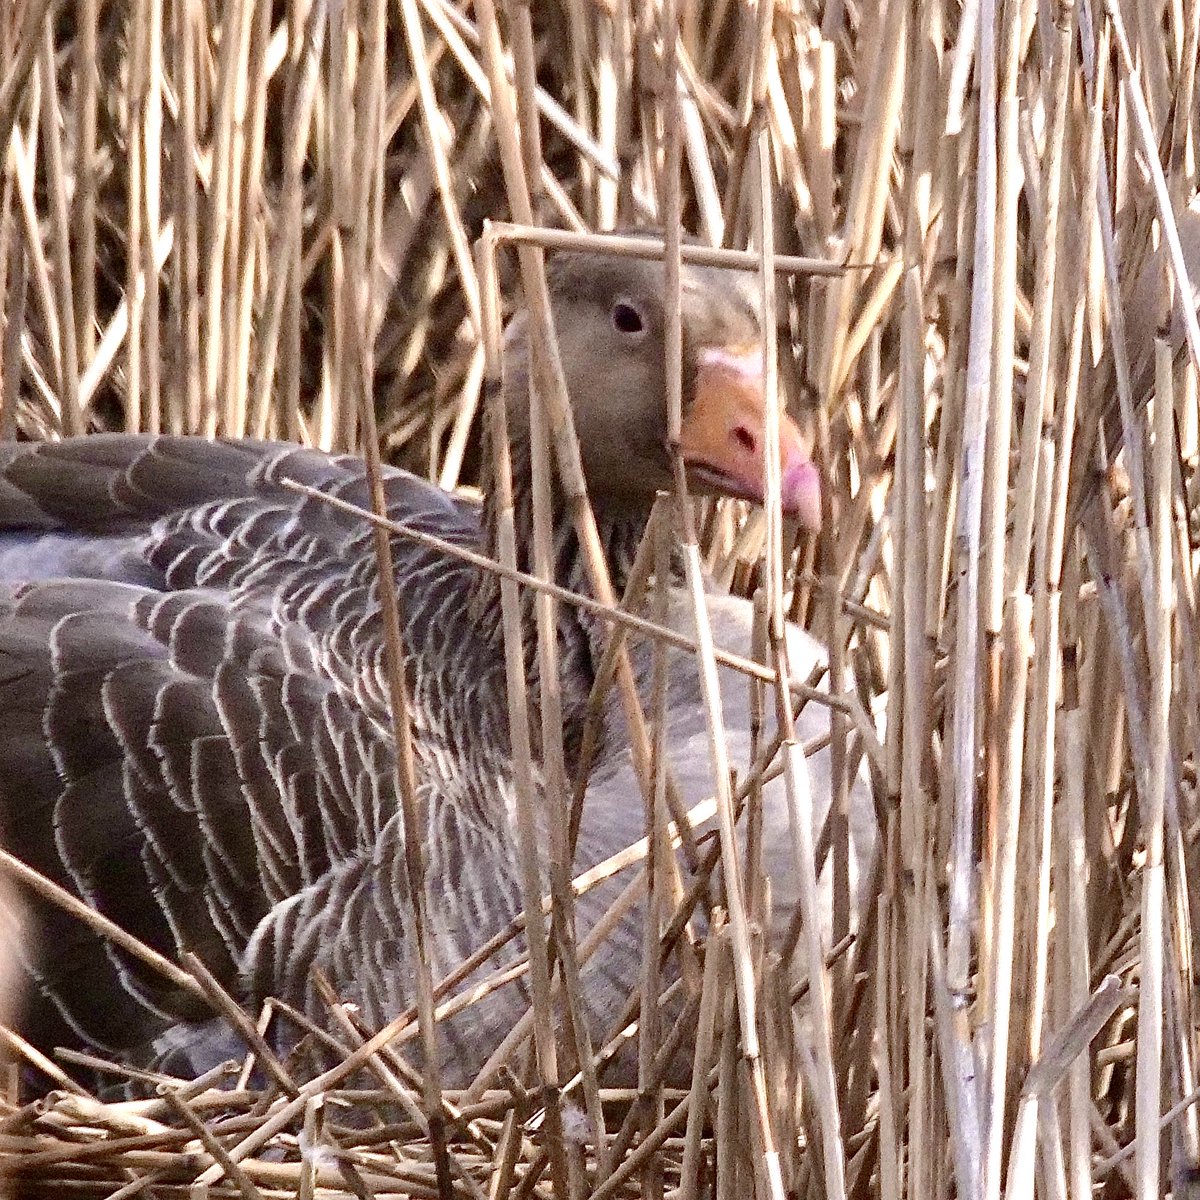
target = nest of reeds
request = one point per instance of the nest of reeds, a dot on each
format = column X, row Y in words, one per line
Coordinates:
column 978, row 229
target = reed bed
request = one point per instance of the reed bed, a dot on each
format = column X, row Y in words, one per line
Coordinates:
column 973, row 227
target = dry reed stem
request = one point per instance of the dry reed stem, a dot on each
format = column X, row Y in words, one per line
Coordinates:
column 59, row 896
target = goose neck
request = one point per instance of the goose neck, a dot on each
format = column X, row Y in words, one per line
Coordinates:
column 580, row 634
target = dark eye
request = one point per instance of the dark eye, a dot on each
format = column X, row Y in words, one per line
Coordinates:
column 626, row 318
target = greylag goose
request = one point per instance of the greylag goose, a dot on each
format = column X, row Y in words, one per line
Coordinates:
column 196, row 737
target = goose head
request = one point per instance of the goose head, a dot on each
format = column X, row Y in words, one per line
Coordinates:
column 611, row 327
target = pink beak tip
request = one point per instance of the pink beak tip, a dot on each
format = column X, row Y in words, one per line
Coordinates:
column 801, row 492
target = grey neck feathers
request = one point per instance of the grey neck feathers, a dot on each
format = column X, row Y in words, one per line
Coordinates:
column 581, row 636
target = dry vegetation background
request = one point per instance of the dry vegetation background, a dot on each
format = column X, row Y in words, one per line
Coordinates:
column 238, row 217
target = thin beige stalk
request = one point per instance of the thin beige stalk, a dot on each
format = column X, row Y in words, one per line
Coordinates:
column 282, row 257
column 100, row 924
column 617, row 616
column 965, row 741
column 1017, row 647
column 186, row 385
column 37, row 14
column 1044, row 309
column 1166, row 214
column 433, row 128
column 556, row 798
column 796, row 775
column 1034, row 878
column 220, row 225
column 712, row 992
column 1154, row 935
column 527, row 822
column 1079, row 1156
column 55, row 160
column 23, row 158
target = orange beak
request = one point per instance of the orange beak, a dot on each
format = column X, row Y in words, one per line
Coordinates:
column 722, row 436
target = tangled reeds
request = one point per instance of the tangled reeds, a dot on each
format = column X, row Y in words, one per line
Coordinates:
column 973, row 226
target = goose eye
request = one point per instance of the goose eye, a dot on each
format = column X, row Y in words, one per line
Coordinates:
column 626, row 318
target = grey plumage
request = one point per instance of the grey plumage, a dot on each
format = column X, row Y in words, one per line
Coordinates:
column 216, row 738
column 196, row 737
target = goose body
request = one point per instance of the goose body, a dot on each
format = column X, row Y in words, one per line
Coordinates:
column 208, row 727
column 197, row 742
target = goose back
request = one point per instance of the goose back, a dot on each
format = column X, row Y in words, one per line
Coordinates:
column 199, row 722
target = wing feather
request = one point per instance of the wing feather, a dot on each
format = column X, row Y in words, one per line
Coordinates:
column 200, row 744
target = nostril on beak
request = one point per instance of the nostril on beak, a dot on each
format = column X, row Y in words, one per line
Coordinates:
column 745, row 439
